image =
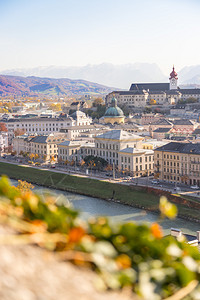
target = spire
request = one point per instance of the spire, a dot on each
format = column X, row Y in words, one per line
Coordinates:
column 173, row 74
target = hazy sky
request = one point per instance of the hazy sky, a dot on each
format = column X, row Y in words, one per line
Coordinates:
column 79, row 32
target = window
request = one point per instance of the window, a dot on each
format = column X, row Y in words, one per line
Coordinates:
column 136, row 160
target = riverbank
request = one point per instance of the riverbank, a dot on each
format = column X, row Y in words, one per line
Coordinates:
column 139, row 197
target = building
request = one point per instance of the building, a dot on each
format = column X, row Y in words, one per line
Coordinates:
column 3, row 141
column 141, row 94
column 178, row 163
column 160, row 133
column 38, row 125
column 43, row 145
column 113, row 114
column 117, row 147
column 137, row 162
column 80, row 118
column 75, row 131
column 136, row 98
column 21, row 144
column 73, row 150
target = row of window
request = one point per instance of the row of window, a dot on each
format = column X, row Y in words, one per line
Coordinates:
column 107, row 146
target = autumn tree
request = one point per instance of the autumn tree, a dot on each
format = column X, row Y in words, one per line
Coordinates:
column 55, row 107
column 82, row 163
column 19, row 131
column 37, row 156
column 98, row 101
column 72, row 162
column 67, row 162
column 108, row 167
column 24, row 186
column 152, row 102
column 3, row 127
column 52, row 159
column 31, row 156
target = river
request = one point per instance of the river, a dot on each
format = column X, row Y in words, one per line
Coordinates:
column 90, row 206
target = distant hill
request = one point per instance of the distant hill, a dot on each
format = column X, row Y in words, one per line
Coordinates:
column 120, row 76
column 190, row 75
column 30, row 86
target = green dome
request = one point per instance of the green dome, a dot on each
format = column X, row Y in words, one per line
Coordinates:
column 114, row 110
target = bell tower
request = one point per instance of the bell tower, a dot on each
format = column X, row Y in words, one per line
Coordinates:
column 173, row 80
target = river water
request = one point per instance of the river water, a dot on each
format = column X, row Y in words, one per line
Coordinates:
column 90, row 206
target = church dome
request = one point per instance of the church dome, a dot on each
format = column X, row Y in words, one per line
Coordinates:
column 114, row 110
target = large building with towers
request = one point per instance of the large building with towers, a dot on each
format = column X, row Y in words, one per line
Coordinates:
column 141, row 94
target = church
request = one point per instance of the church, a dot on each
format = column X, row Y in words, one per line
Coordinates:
column 142, row 94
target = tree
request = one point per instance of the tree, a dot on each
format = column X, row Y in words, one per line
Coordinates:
column 188, row 100
column 60, row 160
column 72, row 162
column 52, row 159
column 3, row 127
column 37, row 156
column 24, row 186
column 55, row 107
column 152, row 102
column 108, row 167
column 19, row 132
column 98, row 101
column 100, row 163
column 67, row 162
column 31, row 156
column 82, row 163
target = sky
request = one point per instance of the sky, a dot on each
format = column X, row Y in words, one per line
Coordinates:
column 79, row 32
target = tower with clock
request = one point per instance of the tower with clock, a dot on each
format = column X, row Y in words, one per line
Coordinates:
column 173, row 80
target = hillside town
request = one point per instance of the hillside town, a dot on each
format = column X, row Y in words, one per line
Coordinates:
column 149, row 134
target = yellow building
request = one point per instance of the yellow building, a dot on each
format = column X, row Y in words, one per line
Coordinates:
column 178, row 163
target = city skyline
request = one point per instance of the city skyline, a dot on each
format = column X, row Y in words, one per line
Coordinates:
column 66, row 33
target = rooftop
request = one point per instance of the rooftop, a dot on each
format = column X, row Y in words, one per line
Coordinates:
column 181, row 148
column 118, row 135
column 150, row 86
column 132, row 150
column 162, row 130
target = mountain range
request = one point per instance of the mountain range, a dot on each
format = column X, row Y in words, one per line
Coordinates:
column 54, row 81
column 119, row 76
column 49, row 87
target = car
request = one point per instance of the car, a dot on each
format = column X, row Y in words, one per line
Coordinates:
column 53, row 166
column 194, row 187
column 155, row 181
column 177, row 189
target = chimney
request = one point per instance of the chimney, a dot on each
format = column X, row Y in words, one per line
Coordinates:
column 176, row 232
column 198, row 236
